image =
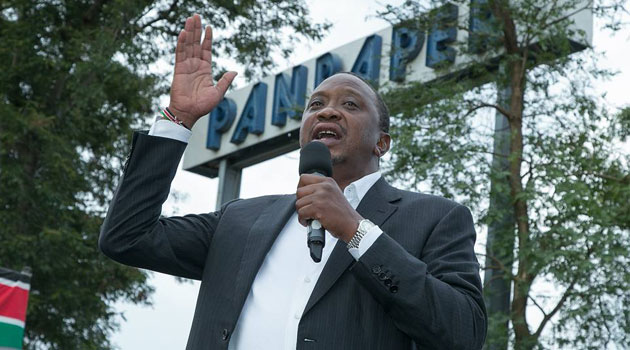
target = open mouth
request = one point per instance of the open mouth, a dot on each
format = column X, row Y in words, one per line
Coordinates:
column 326, row 132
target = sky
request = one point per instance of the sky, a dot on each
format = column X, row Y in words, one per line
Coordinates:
column 166, row 324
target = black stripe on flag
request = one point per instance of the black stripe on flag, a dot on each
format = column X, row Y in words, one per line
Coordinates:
column 14, row 275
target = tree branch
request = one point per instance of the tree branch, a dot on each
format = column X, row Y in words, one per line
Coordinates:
column 543, row 19
column 537, row 305
column 500, row 266
column 623, row 180
column 501, row 11
column 548, row 316
column 162, row 15
column 558, row 20
column 604, row 318
column 490, row 105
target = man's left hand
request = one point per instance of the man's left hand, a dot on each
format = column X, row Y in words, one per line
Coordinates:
column 320, row 198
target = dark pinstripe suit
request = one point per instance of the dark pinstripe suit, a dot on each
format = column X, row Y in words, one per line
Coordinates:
column 417, row 286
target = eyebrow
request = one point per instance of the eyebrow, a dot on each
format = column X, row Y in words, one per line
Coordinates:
column 351, row 91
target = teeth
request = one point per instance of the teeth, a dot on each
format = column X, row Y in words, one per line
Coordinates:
column 326, row 132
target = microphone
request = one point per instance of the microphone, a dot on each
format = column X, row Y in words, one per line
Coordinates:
column 315, row 159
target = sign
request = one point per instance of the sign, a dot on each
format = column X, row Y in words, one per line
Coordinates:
column 262, row 120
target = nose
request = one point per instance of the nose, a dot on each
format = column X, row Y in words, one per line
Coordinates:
column 328, row 113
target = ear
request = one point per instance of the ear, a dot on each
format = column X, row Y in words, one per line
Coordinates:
column 382, row 145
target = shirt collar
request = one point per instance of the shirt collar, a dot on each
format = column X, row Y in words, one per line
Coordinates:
column 355, row 192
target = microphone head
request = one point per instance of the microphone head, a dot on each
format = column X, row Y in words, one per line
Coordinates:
column 315, row 158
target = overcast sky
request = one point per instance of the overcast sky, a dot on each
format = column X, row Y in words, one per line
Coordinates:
column 167, row 323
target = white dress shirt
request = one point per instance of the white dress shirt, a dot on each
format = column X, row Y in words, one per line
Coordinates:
column 284, row 283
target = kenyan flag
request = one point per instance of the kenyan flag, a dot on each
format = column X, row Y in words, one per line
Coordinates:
column 14, row 288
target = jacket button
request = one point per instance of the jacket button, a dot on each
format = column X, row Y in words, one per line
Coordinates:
column 225, row 334
column 388, row 282
column 376, row 269
column 383, row 276
column 393, row 289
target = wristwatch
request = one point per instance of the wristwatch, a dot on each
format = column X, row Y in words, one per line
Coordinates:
column 365, row 226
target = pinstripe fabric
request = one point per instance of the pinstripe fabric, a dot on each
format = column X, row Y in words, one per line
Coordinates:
column 418, row 286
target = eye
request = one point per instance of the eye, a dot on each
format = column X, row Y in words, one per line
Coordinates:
column 315, row 104
column 351, row 104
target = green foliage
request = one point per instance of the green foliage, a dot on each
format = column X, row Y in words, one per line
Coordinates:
column 74, row 80
column 567, row 173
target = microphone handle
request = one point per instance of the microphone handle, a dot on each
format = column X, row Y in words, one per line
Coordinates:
column 316, row 240
column 316, row 237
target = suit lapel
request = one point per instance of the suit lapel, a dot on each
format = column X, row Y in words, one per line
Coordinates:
column 259, row 240
column 375, row 206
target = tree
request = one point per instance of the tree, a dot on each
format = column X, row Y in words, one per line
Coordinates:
column 74, row 80
column 552, row 187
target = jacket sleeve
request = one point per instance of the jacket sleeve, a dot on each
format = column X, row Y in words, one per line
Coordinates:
column 133, row 232
column 436, row 298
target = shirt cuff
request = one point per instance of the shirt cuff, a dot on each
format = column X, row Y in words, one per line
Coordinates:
column 166, row 128
column 366, row 242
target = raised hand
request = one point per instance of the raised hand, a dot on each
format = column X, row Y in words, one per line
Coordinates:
column 193, row 93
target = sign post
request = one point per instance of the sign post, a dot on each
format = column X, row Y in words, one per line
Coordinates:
column 229, row 182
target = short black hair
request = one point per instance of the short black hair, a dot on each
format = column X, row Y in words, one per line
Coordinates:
column 381, row 107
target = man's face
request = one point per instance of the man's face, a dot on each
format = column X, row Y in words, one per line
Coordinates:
column 342, row 114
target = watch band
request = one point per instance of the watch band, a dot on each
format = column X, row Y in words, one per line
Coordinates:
column 364, row 226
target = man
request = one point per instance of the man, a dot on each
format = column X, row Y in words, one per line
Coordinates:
column 398, row 270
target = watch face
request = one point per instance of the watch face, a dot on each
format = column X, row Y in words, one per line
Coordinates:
column 365, row 226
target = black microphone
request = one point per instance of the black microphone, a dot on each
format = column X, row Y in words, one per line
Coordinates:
column 315, row 159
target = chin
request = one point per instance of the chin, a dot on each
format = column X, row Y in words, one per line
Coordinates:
column 337, row 159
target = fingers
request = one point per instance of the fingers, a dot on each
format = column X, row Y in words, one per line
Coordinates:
column 206, row 46
column 308, row 208
column 189, row 41
column 313, row 186
column 224, row 83
column 197, row 36
column 320, row 198
column 306, row 213
column 189, row 27
column 306, row 203
column 180, row 53
column 305, row 191
column 309, row 179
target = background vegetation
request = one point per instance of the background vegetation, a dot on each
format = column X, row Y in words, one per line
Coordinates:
column 75, row 79
column 556, row 207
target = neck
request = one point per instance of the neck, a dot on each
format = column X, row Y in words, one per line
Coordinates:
column 344, row 175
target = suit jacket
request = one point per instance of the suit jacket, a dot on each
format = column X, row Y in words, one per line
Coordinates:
column 418, row 286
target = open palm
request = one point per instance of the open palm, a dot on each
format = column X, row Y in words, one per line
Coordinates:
column 193, row 92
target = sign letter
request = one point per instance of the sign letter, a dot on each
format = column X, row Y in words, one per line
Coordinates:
column 442, row 33
column 406, row 45
column 288, row 99
column 253, row 115
column 368, row 63
column 325, row 66
column 480, row 26
column 220, row 120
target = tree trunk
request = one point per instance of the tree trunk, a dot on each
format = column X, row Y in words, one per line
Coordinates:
column 523, row 280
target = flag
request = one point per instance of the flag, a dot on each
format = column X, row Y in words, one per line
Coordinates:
column 14, row 287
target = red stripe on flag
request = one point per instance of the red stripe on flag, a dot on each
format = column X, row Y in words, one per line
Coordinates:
column 13, row 301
